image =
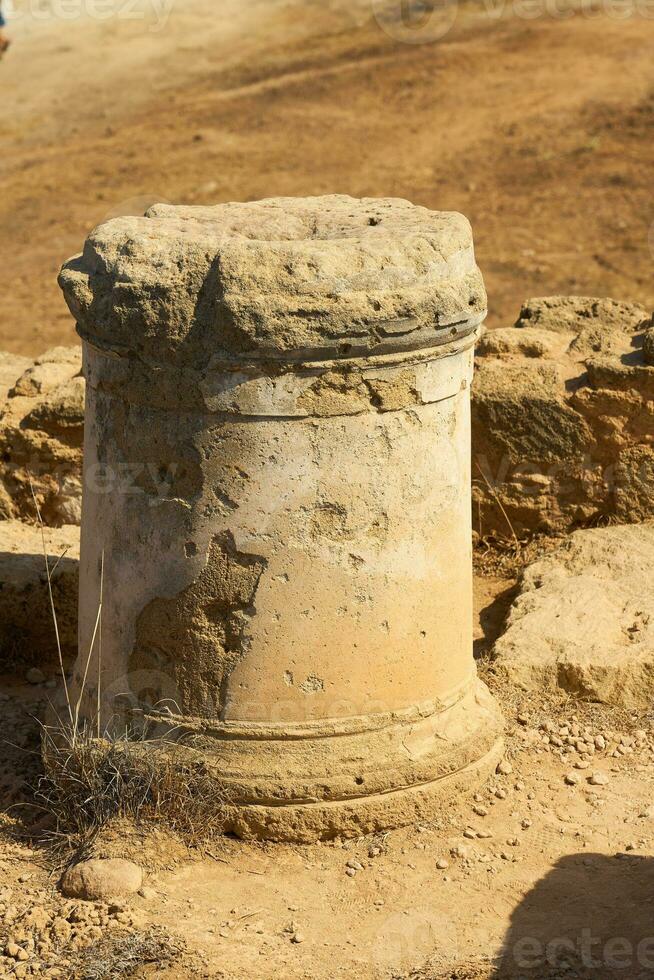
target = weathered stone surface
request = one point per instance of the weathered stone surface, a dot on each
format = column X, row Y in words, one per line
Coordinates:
column 41, row 436
column 584, row 619
column 27, row 634
column 287, row 384
column 269, row 279
column 11, row 368
column 563, row 418
column 102, row 880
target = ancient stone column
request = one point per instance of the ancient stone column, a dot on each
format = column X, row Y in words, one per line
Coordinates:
column 277, row 472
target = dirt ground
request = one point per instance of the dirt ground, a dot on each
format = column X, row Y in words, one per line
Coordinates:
column 540, row 875
column 539, row 128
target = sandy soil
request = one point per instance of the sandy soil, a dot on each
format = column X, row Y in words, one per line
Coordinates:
column 540, row 129
column 493, row 888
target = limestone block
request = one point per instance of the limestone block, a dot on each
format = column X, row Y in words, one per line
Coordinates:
column 11, row 368
column 41, row 436
column 583, row 621
column 563, row 418
column 288, row 566
column 27, row 634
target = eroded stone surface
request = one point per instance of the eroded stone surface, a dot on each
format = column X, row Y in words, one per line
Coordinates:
column 41, row 436
column 328, row 276
column 563, row 418
column 11, row 368
column 584, row 619
column 27, row 634
column 287, row 384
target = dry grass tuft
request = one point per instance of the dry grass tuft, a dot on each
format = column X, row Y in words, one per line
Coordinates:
column 121, row 956
column 503, row 557
column 91, row 778
column 90, row 781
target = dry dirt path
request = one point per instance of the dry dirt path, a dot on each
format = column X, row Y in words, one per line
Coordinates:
column 539, row 129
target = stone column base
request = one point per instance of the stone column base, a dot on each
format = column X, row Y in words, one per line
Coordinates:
column 294, row 783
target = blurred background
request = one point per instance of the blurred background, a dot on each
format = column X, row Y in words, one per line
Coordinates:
column 533, row 117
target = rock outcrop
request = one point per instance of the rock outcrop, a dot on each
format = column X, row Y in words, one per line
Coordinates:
column 41, row 435
column 27, row 635
column 583, row 621
column 563, row 417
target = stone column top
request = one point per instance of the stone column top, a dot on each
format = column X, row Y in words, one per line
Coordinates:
column 284, row 279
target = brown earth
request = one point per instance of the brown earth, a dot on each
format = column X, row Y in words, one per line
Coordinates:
column 545, row 853
column 539, row 129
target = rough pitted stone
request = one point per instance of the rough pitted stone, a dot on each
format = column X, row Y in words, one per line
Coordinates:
column 315, row 277
column 53, row 368
column 581, row 315
column 584, row 619
column 11, row 368
column 41, row 435
column 563, row 417
column 102, row 880
column 27, row 634
column 287, row 383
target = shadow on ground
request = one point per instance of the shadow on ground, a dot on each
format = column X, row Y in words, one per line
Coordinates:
column 591, row 917
column 493, row 609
